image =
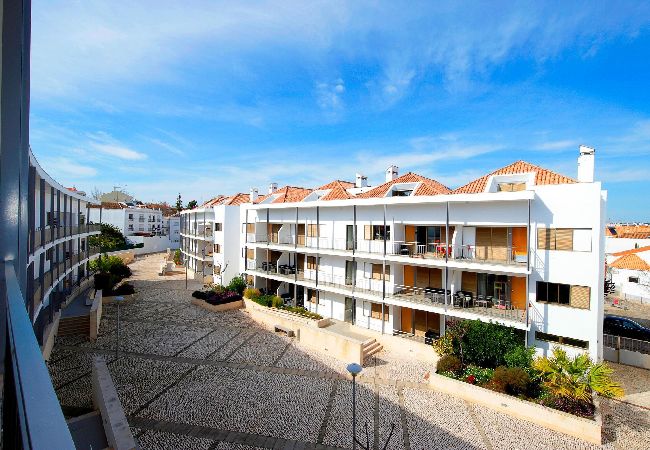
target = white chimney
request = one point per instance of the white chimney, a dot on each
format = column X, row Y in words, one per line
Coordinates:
column 253, row 195
column 391, row 173
column 586, row 164
column 273, row 187
column 361, row 181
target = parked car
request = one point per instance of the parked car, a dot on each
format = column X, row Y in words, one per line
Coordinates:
column 625, row 327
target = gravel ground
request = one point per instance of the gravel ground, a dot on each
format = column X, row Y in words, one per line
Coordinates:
column 263, row 395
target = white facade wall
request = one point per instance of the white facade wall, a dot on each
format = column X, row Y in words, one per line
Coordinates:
column 633, row 291
column 577, row 206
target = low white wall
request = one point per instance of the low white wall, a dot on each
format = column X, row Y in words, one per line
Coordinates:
column 116, row 427
column 627, row 357
column 152, row 244
column 586, row 429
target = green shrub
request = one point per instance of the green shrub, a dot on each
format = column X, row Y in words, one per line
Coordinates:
column 277, row 302
column 237, row 284
column 178, row 259
column 486, row 344
column 444, row 345
column 449, row 363
column 252, row 293
column 519, row 356
column 481, row 375
column 513, row 380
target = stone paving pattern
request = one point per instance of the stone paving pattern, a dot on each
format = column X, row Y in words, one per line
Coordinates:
column 193, row 379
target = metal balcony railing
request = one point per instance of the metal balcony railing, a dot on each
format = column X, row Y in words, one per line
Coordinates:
column 32, row 416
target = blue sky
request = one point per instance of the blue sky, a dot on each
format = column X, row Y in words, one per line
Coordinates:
column 207, row 98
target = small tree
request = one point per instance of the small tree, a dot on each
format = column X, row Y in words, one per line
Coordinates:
column 177, row 257
column 179, row 203
column 576, row 378
column 110, row 239
column 192, row 204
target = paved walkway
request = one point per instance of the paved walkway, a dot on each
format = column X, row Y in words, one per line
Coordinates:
column 193, row 379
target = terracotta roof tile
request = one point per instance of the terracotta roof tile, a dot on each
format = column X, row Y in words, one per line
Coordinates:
column 338, row 190
column 287, row 194
column 427, row 186
column 632, row 251
column 630, row 262
column 542, row 177
column 629, row 231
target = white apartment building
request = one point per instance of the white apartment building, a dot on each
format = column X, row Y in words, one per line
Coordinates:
column 172, row 228
column 521, row 246
column 130, row 219
column 210, row 239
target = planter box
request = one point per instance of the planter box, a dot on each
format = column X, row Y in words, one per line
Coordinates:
column 585, row 429
column 310, row 332
column 217, row 308
column 318, row 323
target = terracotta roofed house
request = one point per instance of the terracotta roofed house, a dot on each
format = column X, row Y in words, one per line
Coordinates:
column 409, row 182
column 542, row 176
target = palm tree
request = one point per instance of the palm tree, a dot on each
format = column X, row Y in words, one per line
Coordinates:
column 576, row 378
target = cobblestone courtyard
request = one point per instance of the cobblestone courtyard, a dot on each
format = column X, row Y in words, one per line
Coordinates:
column 193, row 379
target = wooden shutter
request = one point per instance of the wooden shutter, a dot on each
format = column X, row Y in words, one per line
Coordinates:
column 250, row 228
column 420, row 322
column 564, row 239
column 483, row 242
column 250, row 253
column 499, row 250
column 518, row 187
column 504, row 187
column 435, row 278
column 311, row 262
column 544, row 238
column 580, row 296
column 367, row 232
column 375, row 310
column 422, row 277
column 468, row 282
column 376, row 271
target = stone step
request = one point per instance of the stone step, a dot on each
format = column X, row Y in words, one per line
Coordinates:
column 370, row 350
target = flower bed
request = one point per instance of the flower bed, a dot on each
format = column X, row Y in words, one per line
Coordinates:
column 217, row 298
column 491, row 356
column 273, row 301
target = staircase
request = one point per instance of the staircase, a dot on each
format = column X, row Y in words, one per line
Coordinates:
column 370, row 347
column 69, row 326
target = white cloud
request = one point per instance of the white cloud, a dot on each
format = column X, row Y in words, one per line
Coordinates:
column 167, row 146
column 329, row 96
column 557, row 145
column 68, row 168
column 118, row 151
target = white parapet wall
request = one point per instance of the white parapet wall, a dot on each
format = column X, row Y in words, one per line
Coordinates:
column 586, row 429
column 105, row 399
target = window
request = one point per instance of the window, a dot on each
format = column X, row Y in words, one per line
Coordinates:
column 374, row 310
column 402, row 192
column 376, row 232
column 312, row 230
column 561, row 340
column 564, row 294
column 217, row 248
column 218, row 226
column 130, row 227
column 569, row 239
column 130, row 216
column 311, row 263
column 511, row 187
column 312, row 296
column 374, row 271
column 633, row 279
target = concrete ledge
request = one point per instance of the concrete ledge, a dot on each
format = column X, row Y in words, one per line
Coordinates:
column 585, row 429
column 116, row 427
column 96, row 315
column 310, row 332
column 218, row 308
column 111, row 298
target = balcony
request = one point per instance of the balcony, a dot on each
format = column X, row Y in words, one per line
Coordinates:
column 33, row 416
column 492, row 254
column 485, row 306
